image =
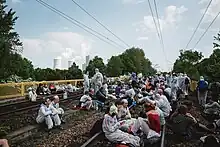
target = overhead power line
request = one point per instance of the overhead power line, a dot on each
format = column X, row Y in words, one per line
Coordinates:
column 100, row 23
column 152, row 14
column 159, row 28
column 206, row 30
column 80, row 25
column 200, row 21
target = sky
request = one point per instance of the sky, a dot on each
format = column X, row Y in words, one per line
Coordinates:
column 46, row 35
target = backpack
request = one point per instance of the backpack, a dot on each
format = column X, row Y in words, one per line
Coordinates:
column 203, row 86
column 186, row 81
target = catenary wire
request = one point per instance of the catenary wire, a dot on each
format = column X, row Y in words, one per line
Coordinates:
column 200, row 21
column 206, row 30
column 81, row 25
column 100, row 23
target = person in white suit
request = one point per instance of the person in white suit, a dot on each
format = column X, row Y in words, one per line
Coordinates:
column 48, row 114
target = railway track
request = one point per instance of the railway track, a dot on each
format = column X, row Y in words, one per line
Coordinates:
column 100, row 137
column 27, row 105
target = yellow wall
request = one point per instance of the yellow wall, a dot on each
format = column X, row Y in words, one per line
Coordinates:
column 10, row 90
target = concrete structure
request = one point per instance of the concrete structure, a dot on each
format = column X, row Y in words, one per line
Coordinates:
column 70, row 63
column 83, row 66
column 87, row 60
column 57, row 63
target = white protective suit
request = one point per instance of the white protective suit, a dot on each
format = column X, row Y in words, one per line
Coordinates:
column 174, row 88
column 86, row 101
column 111, row 127
column 186, row 86
column 162, row 103
column 86, row 82
column 181, row 81
column 57, row 108
column 98, row 80
column 32, row 95
column 48, row 114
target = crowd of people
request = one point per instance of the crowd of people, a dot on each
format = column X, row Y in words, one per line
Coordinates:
column 164, row 100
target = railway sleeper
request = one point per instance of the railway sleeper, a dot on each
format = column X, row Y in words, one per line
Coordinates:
column 28, row 131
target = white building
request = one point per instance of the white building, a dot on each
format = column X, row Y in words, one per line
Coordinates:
column 83, row 66
column 70, row 63
column 57, row 63
column 87, row 60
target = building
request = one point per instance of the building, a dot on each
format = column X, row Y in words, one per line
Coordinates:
column 83, row 67
column 87, row 60
column 70, row 63
column 57, row 63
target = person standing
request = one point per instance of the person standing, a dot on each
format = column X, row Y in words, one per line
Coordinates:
column 202, row 90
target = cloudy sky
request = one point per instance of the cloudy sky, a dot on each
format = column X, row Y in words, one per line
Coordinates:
column 46, row 35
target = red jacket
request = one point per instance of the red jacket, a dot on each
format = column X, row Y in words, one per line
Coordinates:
column 154, row 120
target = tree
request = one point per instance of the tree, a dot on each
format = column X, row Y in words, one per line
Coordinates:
column 9, row 39
column 97, row 62
column 114, row 66
column 188, row 62
column 134, row 61
column 74, row 72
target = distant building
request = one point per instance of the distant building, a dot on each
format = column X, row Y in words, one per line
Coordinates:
column 83, row 66
column 70, row 63
column 87, row 60
column 57, row 63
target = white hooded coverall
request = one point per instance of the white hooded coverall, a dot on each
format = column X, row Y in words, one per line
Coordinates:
column 48, row 114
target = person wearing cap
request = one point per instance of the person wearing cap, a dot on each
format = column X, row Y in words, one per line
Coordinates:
column 48, row 114
column 112, row 132
column 32, row 94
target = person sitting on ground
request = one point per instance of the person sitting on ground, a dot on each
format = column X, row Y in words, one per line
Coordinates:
column 69, row 87
column 212, row 108
column 129, row 95
column 124, row 112
column 4, row 143
column 46, row 90
column 56, row 105
column 167, row 92
column 40, row 90
column 86, row 101
column 161, row 102
column 210, row 141
column 101, row 95
column 181, row 122
column 32, row 94
column 48, row 115
column 112, row 132
column 118, row 90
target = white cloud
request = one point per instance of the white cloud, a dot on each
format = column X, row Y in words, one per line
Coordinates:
column 15, row 1
column 66, row 45
column 133, row 1
column 170, row 19
column 142, row 38
column 212, row 11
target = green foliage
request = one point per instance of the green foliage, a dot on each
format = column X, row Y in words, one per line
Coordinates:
column 9, row 39
column 97, row 62
column 115, row 66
